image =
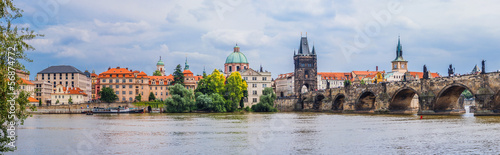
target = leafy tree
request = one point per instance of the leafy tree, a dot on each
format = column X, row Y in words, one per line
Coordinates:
column 152, row 96
column 266, row 103
column 362, row 82
column 235, row 87
column 218, row 103
column 181, row 100
column 138, row 98
column 203, row 85
column 178, row 76
column 108, row 95
column 347, row 83
column 57, row 101
column 467, row 94
column 216, row 82
column 157, row 73
column 204, row 102
column 70, row 100
column 12, row 46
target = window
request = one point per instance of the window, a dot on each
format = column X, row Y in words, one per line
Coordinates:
column 123, row 86
column 123, row 92
column 129, row 86
column 103, row 80
column 142, row 87
column 124, row 79
column 166, row 93
column 254, row 78
column 161, row 93
column 395, row 66
column 254, row 100
column 245, row 78
column 130, row 80
column 254, row 85
column 230, row 68
column 66, row 76
column 254, row 92
column 130, row 99
column 161, row 88
column 54, row 76
column 117, row 92
column 264, row 78
column 130, row 92
column 264, row 85
column 156, row 93
column 60, row 76
column 110, row 80
column 150, row 88
column 156, row 88
column 72, row 74
column 237, row 68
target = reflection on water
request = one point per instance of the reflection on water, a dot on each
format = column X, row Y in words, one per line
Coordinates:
column 258, row 133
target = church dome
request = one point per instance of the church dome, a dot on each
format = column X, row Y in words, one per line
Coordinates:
column 160, row 63
column 236, row 56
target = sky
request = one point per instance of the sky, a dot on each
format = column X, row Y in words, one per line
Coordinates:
column 347, row 35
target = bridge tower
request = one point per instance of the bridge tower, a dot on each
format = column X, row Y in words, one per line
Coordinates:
column 306, row 68
column 399, row 64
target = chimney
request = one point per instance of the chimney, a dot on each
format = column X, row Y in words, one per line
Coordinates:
column 376, row 68
column 127, row 68
column 109, row 68
column 118, row 67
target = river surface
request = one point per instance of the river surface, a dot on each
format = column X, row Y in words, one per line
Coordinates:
column 258, row 133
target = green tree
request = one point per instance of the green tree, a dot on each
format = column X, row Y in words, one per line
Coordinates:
column 138, row 98
column 70, row 100
column 362, row 82
column 181, row 100
column 204, row 102
column 467, row 94
column 12, row 46
column 152, row 96
column 266, row 103
column 39, row 102
column 219, row 103
column 156, row 73
column 235, row 87
column 203, row 85
column 178, row 76
column 216, row 83
column 108, row 95
column 347, row 83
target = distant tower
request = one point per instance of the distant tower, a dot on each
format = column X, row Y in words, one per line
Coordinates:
column 305, row 68
column 186, row 65
column 160, row 66
column 399, row 64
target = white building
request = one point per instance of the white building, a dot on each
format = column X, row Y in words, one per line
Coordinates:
column 256, row 81
column 284, row 85
column 62, row 95
column 68, row 76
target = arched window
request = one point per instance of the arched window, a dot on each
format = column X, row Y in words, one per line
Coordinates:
column 245, row 67
column 230, row 68
column 306, row 74
column 237, row 68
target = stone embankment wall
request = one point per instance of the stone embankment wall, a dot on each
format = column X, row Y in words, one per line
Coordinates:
column 78, row 108
column 285, row 104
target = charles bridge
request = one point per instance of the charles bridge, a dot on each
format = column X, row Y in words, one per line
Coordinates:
column 435, row 96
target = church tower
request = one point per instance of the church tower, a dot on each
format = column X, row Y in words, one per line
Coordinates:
column 399, row 64
column 305, row 72
column 160, row 66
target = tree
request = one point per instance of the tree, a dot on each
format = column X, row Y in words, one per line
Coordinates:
column 347, row 83
column 203, row 85
column 12, row 46
column 157, row 73
column 362, row 82
column 266, row 103
column 235, row 87
column 467, row 94
column 70, row 100
column 181, row 100
column 108, row 95
column 218, row 103
column 152, row 96
column 216, row 83
column 138, row 98
column 178, row 76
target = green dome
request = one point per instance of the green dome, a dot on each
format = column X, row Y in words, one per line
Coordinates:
column 160, row 63
column 236, row 57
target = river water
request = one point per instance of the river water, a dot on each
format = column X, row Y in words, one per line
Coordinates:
column 258, row 133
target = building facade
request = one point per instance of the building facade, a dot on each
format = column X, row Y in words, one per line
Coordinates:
column 68, row 76
column 256, row 81
column 305, row 72
column 284, row 85
column 64, row 95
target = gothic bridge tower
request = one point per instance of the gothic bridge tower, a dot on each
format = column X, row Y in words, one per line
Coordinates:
column 306, row 68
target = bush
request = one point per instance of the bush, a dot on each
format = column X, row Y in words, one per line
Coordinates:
column 266, row 103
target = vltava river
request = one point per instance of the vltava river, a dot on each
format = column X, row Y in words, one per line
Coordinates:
column 258, row 133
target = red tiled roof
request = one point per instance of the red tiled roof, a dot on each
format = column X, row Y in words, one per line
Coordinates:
column 421, row 74
column 26, row 82
column 187, row 73
column 159, row 78
column 335, row 75
column 366, row 72
column 286, row 75
column 116, row 72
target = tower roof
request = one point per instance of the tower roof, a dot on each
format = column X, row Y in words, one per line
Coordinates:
column 160, row 63
column 399, row 52
column 236, row 56
column 304, row 46
column 186, row 65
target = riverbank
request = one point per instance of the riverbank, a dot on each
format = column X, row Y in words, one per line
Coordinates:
column 79, row 108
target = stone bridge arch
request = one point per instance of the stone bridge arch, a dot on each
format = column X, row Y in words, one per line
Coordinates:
column 338, row 102
column 447, row 98
column 318, row 101
column 402, row 100
column 365, row 101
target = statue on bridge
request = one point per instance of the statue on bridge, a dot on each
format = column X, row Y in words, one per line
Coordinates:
column 426, row 73
column 483, row 71
column 451, row 70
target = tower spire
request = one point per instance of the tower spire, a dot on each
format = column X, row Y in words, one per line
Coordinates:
column 186, row 66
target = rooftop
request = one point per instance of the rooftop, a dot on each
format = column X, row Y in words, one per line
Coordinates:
column 60, row 69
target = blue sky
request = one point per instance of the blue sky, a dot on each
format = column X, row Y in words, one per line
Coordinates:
column 348, row 35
